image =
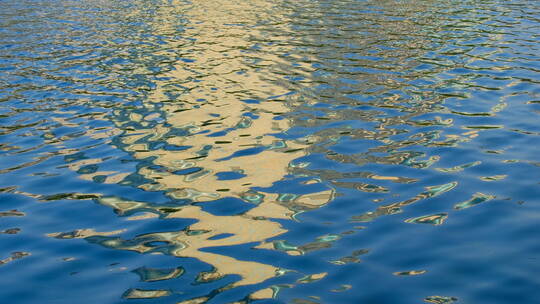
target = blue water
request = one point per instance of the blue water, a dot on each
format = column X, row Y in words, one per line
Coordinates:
column 269, row 151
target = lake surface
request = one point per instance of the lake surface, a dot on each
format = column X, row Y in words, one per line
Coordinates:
column 269, row 151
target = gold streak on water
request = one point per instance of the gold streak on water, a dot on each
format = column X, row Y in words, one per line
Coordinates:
column 219, row 59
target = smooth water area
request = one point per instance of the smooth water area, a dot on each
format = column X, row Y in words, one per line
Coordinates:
column 168, row 151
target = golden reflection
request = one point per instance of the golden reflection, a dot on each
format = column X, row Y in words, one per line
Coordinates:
column 14, row 256
column 198, row 300
column 459, row 168
column 250, row 227
column 13, row 212
column 145, row 294
column 82, row 233
column 410, row 273
column 210, row 111
column 266, row 293
column 476, row 199
column 434, row 219
column 205, row 132
column 342, row 288
column 312, row 277
column 493, row 178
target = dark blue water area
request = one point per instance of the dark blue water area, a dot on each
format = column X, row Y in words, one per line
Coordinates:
column 226, row 206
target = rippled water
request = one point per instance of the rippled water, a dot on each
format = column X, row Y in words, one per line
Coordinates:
column 274, row 151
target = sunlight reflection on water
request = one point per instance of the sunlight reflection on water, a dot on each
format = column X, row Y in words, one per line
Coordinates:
column 287, row 152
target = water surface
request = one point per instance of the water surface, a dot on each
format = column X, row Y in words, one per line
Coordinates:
column 269, row 151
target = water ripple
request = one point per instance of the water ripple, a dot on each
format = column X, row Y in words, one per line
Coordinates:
column 231, row 152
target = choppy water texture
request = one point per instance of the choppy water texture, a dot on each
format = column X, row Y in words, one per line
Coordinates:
column 269, row 151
